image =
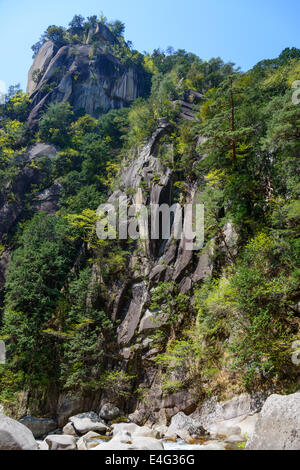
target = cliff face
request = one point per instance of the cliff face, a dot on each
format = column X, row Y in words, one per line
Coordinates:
column 152, row 262
column 127, row 301
column 93, row 82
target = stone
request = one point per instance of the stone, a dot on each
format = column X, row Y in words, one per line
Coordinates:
column 127, row 328
column 43, row 445
column 61, row 442
column 211, row 411
column 204, row 267
column 247, row 426
column 40, row 427
column 145, row 431
column 101, row 84
column 47, row 200
column 161, row 430
column 40, row 64
column 224, row 429
column 15, row 436
column 135, row 430
column 124, row 427
column 85, row 422
column 152, row 320
column 88, row 441
column 183, row 426
column 70, row 405
column 278, row 426
column 39, row 150
column 109, row 412
column 69, row 430
column 27, row 176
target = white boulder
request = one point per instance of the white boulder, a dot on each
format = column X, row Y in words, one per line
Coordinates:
column 61, row 442
column 278, row 426
column 15, row 436
column 86, row 422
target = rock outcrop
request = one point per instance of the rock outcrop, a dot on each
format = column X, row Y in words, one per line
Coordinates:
column 90, row 80
column 278, row 425
column 29, row 175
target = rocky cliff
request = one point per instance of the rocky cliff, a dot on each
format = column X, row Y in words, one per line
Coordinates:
column 91, row 80
column 104, row 317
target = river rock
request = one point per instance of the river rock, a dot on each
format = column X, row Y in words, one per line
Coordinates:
column 40, row 427
column 184, row 427
column 69, row 430
column 61, row 442
column 134, row 430
column 86, row 422
column 278, row 426
column 88, row 441
column 161, row 430
column 109, row 412
column 15, row 436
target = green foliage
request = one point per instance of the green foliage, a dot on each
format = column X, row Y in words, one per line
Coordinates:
column 55, row 122
column 36, row 276
column 118, row 384
column 242, row 153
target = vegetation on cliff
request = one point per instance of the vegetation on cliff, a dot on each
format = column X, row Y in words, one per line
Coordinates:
column 238, row 325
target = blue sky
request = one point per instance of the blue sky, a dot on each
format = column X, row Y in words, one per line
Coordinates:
column 241, row 31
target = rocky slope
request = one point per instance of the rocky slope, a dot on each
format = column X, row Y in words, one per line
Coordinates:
column 94, row 81
column 91, row 81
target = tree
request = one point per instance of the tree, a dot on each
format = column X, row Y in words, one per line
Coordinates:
column 37, row 274
column 76, row 25
column 117, row 28
column 55, row 122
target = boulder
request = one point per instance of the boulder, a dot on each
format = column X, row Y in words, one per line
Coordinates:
column 224, row 429
column 161, row 430
column 61, row 442
column 15, row 436
column 146, row 443
column 69, row 430
column 124, row 427
column 40, row 427
column 145, row 431
column 134, row 430
column 88, row 441
column 109, row 412
column 86, row 422
column 184, row 427
column 278, row 426
column 152, row 320
column 239, row 407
